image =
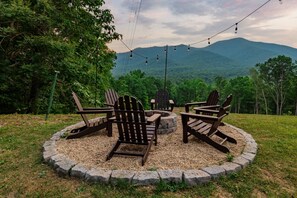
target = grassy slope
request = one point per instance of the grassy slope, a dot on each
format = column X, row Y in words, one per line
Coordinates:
column 22, row 173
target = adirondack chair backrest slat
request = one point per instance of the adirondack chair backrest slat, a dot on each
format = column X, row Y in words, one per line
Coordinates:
column 80, row 108
column 223, row 111
column 130, row 118
column 111, row 96
column 162, row 100
column 213, row 98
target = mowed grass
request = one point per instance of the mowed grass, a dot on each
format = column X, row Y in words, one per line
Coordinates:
column 23, row 174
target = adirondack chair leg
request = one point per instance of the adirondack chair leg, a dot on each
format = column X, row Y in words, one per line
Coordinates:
column 146, row 152
column 85, row 131
column 115, row 147
column 109, row 124
column 210, row 142
column 229, row 139
column 185, row 120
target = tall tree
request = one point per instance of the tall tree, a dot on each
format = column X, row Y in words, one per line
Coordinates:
column 277, row 73
column 39, row 37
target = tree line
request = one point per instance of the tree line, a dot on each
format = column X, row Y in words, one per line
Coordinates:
column 271, row 88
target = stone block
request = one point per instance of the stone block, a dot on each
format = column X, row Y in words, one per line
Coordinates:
column 241, row 161
column 123, row 175
column 231, row 167
column 214, row 171
column 194, row 177
column 98, row 175
column 249, row 156
column 250, row 148
column 78, row 171
column 175, row 176
column 46, row 155
column 63, row 167
column 146, row 178
column 56, row 158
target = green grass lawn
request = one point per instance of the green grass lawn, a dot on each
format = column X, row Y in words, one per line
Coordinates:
column 22, row 173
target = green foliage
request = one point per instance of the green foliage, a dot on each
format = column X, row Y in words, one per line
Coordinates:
column 276, row 75
column 229, row 157
column 163, row 186
column 39, row 37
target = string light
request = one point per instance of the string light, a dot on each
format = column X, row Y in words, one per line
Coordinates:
column 207, row 39
column 131, row 54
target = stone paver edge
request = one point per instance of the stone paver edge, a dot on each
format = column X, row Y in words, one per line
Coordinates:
column 67, row 167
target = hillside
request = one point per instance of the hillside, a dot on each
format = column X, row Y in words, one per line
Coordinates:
column 228, row 58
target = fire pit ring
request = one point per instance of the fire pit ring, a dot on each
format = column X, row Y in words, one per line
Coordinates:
column 168, row 122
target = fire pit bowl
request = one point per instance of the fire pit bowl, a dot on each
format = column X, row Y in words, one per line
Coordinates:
column 168, row 122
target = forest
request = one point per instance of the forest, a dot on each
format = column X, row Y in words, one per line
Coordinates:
column 39, row 39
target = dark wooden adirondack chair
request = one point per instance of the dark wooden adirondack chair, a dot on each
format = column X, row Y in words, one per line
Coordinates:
column 110, row 97
column 133, row 127
column 162, row 101
column 89, row 127
column 205, row 127
column 212, row 100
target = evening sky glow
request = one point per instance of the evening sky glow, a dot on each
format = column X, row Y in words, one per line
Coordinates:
column 175, row 22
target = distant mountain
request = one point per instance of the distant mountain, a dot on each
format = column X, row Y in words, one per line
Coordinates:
column 228, row 58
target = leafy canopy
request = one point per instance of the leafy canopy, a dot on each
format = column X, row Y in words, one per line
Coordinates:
column 40, row 37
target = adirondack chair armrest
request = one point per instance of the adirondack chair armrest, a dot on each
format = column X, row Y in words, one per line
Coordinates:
column 214, row 107
column 109, row 105
column 202, row 110
column 187, row 105
column 199, row 116
column 95, row 111
column 112, row 119
column 96, row 108
column 153, row 118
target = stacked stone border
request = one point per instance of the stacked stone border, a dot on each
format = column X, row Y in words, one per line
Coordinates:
column 67, row 167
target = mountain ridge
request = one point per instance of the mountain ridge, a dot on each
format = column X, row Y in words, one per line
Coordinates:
column 227, row 58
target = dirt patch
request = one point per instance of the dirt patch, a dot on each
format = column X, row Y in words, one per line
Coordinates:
column 170, row 152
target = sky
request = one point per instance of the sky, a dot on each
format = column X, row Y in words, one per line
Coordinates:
column 148, row 23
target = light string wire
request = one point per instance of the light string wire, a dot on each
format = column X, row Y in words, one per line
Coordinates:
column 214, row 35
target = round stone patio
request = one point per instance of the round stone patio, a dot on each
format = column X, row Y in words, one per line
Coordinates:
column 66, row 165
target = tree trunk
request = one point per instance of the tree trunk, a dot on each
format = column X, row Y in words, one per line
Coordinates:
column 265, row 102
column 32, row 106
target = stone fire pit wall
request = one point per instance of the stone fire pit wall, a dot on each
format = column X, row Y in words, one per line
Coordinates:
column 168, row 122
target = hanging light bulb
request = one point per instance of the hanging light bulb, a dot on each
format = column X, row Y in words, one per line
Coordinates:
column 189, row 48
column 146, row 60
column 236, row 28
column 208, row 41
column 157, row 57
column 131, row 54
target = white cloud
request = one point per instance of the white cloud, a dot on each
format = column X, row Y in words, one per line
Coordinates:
column 162, row 22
